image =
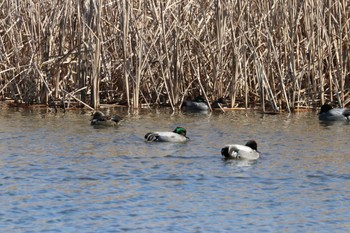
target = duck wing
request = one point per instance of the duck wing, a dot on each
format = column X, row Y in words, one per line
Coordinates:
column 200, row 106
column 229, row 152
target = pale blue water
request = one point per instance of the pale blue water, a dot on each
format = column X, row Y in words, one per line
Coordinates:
column 59, row 174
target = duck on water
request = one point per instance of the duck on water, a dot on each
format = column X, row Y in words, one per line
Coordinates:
column 248, row 151
column 328, row 113
column 100, row 119
column 196, row 105
column 178, row 135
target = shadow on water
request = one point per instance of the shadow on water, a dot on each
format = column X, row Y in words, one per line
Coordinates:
column 331, row 123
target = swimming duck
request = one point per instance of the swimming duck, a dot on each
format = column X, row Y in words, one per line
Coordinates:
column 178, row 135
column 249, row 151
column 196, row 105
column 219, row 103
column 98, row 118
column 328, row 113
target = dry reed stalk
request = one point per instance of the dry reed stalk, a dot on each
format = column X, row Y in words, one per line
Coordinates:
column 124, row 20
column 166, row 64
column 218, row 56
column 96, row 33
column 279, row 70
column 138, row 71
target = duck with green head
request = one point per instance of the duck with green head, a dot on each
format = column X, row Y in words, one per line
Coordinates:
column 178, row 135
column 100, row 119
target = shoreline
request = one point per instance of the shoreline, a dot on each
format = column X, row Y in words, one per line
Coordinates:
column 77, row 106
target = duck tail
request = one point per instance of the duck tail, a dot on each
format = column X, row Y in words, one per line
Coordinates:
column 151, row 137
column 346, row 113
column 225, row 152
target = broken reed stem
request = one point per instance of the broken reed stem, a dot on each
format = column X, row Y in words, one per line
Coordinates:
column 283, row 55
column 72, row 96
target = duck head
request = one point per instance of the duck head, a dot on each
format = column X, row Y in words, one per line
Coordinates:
column 199, row 99
column 325, row 108
column 180, row 130
column 98, row 115
column 252, row 144
column 222, row 100
column 219, row 103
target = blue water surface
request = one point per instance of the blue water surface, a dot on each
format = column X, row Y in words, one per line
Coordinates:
column 60, row 174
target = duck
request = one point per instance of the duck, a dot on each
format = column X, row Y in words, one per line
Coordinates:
column 196, row 105
column 178, row 135
column 219, row 103
column 249, row 151
column 100, row 119
column 328, row 113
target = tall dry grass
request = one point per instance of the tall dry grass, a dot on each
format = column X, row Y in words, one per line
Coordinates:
column 272, row 54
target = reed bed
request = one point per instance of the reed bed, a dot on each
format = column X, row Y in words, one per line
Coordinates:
column 275, row 55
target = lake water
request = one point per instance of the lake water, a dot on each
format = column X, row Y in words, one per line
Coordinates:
column 60, row 174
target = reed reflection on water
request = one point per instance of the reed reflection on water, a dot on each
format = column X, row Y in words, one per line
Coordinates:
column 60, row 174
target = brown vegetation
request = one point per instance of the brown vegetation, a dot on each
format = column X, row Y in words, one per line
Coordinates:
column 278, row 54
